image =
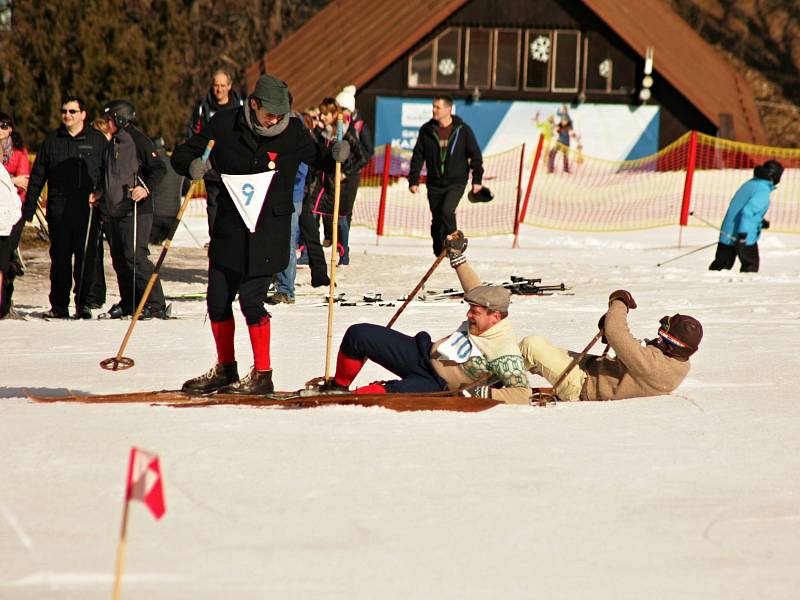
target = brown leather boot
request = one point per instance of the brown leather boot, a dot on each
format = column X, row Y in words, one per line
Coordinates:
column 212, row 380
column 255, row 383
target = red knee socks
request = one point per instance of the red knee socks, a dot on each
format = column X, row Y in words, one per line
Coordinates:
column 259, row 340
column 346, row 369
column 223, row 337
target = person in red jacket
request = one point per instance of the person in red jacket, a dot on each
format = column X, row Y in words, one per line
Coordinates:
column 16, row 161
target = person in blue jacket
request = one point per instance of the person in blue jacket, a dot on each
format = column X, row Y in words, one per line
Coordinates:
column 744, row 220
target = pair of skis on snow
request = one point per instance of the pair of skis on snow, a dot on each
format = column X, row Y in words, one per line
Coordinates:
column 517, row 285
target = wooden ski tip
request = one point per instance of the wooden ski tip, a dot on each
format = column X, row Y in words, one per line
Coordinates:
column 117, row 364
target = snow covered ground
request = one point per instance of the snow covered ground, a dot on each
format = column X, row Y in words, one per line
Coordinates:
column 693, row 495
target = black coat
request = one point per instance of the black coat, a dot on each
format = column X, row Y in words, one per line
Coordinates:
column 239, row 151
column 70, row 166
column 462, row 154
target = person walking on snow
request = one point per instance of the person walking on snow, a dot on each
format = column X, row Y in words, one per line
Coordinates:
column 653, row 369
column 448, row 148
column 483, row 347
column 258, row 144
column 744, row 220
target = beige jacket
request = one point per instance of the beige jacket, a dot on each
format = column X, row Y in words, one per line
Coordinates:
column 501, row 358
column 636, row 371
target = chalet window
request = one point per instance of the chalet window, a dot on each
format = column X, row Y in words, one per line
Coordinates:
column 566, row 56
column 478, row 61
column 538, row 54
column 506, row 59
column 607, row 69
column 437, row 63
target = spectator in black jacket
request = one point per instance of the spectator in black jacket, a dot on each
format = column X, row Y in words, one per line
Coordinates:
column 69, row 163
column 450, row 151
column 220, row 97
column 131, row 169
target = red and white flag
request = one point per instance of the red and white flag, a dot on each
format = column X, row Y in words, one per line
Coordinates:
column 144, row 481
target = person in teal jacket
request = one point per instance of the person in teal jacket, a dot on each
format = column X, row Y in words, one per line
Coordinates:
column 742, row 225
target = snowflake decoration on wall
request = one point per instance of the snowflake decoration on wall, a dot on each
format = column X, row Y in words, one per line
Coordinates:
column 447, row 66
column 540, row 49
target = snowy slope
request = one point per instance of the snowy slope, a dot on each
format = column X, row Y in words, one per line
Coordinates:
column 693, row 495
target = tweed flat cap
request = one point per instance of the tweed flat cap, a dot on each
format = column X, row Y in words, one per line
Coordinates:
column 492, row 297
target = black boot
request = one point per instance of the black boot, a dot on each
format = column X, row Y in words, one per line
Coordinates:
column 215, row 378
column 256, row 383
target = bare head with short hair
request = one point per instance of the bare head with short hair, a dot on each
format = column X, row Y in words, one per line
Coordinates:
column 221, row 83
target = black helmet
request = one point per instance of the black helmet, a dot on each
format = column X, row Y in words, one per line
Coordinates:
column 121, row 111
column 770, row 170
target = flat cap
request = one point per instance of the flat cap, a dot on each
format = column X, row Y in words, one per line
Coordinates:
column 274, row 95
column 492, row 297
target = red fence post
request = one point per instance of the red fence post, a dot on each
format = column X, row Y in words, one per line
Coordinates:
column 387, row 163
column 521, row 216
column 519, row 198
column 687, row 185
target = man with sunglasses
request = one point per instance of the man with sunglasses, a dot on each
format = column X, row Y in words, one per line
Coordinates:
column 69, row 163
column 258, row 149
column 653, row 369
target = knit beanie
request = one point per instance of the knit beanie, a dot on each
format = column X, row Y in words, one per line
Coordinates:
column 274, row 95
column 347, row 98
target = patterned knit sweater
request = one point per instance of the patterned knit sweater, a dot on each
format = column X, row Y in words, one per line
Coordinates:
column 495, row 352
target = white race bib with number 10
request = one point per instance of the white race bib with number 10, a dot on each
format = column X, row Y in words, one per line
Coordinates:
column 248, row 193
column 458, row 347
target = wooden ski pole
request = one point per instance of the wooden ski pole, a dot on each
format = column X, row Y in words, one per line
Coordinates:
column 337, row 190
column 413, row 293
column 543, row 396
column 120, row 362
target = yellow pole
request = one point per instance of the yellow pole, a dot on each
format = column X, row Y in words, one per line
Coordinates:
column 337, row 189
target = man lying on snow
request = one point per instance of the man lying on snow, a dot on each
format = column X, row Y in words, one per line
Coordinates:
column 653, row 369
column 483, row 347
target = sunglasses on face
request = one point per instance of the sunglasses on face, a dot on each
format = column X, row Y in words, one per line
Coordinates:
column 72, row 111
column 5, row 126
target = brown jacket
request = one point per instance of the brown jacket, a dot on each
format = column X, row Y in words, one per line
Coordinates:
column 636, row 371
column 507, row 366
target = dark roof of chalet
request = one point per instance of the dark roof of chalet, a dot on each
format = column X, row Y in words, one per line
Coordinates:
column 335, row 48
column 348, row 42
column 693, row 67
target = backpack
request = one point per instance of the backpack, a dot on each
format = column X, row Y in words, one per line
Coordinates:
column 121, row 168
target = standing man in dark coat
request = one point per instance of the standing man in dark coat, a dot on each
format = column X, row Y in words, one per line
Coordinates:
column 131, row 170
column 69, row 163
column 449, row 149
column 260, row 139
column 220, row 96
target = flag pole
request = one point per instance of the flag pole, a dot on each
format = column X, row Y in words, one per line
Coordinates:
column 121, row 553
column 123, row 532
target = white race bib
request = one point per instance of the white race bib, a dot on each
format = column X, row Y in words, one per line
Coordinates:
column 248, row 193
column 458, row 348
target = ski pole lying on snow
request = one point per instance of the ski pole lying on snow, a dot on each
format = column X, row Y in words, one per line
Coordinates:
column 120, row 362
